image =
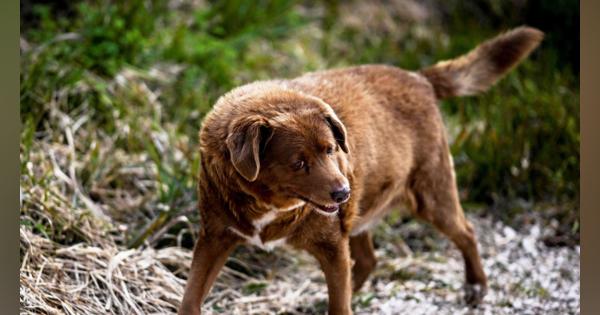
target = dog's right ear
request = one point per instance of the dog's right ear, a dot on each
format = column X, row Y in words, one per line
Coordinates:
column 247, row 138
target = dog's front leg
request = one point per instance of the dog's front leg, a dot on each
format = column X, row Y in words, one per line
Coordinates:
column 210, row 253
column 335, row 263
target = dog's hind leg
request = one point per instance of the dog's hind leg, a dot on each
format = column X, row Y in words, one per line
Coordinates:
column 363, row 254
column 460, row 231
column 436, row 201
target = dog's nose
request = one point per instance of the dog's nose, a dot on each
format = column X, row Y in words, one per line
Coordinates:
column 341, row 195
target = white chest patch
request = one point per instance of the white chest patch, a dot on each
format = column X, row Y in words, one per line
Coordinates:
column 262, row 222
column 257, row 241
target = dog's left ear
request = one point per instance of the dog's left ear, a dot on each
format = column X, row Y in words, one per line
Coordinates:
column 338, row 129
column 336, row 125
column 247, row 138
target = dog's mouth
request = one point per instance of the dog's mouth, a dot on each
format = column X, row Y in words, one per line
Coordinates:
column 331, row 208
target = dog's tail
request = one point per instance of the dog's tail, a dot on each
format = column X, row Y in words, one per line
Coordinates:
column 479, row 69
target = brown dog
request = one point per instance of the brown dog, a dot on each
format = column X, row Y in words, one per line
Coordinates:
column 315, row 161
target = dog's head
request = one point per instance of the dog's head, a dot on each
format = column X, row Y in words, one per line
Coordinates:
column 294, row 154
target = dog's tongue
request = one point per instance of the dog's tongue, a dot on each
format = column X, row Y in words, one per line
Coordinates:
column 332, row 208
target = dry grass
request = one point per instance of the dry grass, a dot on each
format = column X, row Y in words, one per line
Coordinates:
column 87, row 279
column 83, row 195
column 108, row 279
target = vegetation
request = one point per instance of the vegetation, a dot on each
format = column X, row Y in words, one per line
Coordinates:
column 113, row 94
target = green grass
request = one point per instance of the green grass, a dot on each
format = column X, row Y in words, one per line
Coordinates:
column 116, row 92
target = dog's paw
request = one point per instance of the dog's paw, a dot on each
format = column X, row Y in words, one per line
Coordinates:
column 474, row 293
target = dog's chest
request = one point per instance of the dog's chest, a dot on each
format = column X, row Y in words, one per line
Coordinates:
column 257, row 239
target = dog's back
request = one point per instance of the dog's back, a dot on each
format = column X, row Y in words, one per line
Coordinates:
column 392, row 115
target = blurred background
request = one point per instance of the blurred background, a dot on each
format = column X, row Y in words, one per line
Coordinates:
column 113, row 94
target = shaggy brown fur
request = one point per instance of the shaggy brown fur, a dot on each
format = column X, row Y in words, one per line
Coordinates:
column 279, row 158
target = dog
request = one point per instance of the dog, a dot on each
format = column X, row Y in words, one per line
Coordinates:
column 314, row 162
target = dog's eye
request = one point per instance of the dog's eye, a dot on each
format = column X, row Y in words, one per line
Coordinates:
column 298, row 165
column 330, row 150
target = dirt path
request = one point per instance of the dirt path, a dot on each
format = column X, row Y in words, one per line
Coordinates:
column 525, row 277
